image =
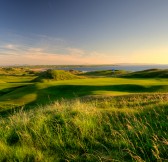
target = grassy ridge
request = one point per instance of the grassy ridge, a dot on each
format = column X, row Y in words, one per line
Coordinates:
column 101, row 129
column 55, row 75
column 151, row 73
column 11, row 71
column 105, row 73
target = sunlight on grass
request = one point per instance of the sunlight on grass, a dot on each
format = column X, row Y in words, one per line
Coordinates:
column 52, row 90
column 91, row 119
column 124, row 129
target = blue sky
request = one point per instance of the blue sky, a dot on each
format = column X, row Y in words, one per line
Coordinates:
column 83, row 31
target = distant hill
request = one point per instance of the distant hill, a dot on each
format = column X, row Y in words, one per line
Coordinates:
column 105, row 73
column 12, row 71
column 150, row 73
column 56, row 75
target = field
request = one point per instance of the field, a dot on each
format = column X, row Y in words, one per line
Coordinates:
column 86, row 117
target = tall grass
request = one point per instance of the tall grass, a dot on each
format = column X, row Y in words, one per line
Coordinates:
column 101, row 129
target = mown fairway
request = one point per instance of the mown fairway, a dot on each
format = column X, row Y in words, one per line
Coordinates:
column 19, row 92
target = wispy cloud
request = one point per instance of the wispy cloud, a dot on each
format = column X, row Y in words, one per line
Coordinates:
column 36, row 50
column 50, row 52
column 42, row 49
column 10, row 47
column 15, row 54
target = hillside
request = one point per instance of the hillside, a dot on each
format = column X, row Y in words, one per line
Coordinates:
column 150, row 73
column 56, row 75
column 15, row 71
column 63, row 118
column 105, row 73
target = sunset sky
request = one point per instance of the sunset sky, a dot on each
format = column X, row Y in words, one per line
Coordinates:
column 83, row 31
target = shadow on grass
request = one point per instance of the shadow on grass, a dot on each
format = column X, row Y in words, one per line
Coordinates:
column 53, row 93
column 48, row 95
column 8, row 90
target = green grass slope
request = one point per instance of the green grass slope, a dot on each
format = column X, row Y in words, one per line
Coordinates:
column 103, row 129
column 151, row 73
column 56, row 75
column 66, row 118
column 104, row 73
column 31, row 94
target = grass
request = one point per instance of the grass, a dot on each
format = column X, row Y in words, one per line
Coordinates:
column 150, row 73
column 43, row 93
column 15, row 93
column 16, row 79
column 55, row 75
column 104, row 73
column 98, row 118
column 97, row 129
column 15, row 71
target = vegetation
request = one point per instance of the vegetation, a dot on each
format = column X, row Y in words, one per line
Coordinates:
column 56, row 75
column 32, row 94
column 11, row 71
column 97, row 118
column 105, row 73
column 101, row 129
column 151, row 73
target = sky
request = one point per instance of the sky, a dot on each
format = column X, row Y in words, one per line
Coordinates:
column 83, row 32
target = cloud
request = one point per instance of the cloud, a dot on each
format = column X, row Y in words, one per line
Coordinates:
column 55, row 51
column 19, row 54
column 76, row 51
column 36, row 50
column 10, row 47
column 23, row 54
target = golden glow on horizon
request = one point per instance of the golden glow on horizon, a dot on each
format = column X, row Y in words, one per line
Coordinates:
column 45, row 58
column 78, row 56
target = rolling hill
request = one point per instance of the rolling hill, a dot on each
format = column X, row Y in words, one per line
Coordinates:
column 150, row 73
